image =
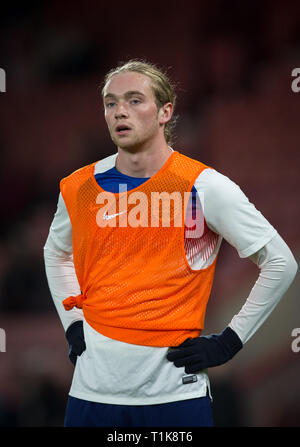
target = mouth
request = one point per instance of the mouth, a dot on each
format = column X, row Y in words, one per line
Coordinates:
column 122, row 129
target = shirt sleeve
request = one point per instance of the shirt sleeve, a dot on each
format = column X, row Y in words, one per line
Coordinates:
column 229, row 213
column 61, row 228
column 59, row 265
column 278, row 268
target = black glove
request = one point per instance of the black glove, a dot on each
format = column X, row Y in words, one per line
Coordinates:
column 75, row 337
column 204, row 352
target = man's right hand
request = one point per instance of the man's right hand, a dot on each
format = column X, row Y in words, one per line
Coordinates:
column 75, row 337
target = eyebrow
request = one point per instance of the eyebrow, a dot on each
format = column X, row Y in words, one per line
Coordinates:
column 127, row 94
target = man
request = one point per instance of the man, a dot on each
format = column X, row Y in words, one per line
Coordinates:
column 131, row 281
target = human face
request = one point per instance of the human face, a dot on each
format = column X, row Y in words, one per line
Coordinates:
column 131, row 112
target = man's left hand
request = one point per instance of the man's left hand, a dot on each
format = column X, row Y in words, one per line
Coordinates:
column 196, row 354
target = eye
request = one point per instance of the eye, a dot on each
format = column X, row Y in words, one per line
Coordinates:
column 135, row 101
column 110, row 104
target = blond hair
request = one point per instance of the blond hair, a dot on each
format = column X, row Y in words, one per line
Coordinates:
column 163, row 89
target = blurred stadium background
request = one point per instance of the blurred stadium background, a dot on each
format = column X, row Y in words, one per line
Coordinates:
column 232, row 62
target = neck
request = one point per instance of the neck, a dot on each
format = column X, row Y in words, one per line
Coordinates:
column 143, row 163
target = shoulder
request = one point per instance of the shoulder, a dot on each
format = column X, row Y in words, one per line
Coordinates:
column 217, row 187
column 81, row 172
column 229, row 213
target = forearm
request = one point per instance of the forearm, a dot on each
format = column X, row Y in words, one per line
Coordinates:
column 277, row 271
column 62, row 281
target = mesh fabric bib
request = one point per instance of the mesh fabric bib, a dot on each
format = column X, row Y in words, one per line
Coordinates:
column 128, row 248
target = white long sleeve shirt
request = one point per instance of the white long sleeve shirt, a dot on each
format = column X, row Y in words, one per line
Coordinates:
column 111, row 371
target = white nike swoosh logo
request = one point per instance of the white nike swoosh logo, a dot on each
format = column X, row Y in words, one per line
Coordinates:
column 111, row 216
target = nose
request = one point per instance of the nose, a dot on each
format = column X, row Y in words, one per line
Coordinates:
column 121, row 111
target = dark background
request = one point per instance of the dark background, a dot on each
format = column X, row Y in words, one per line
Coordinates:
column 232, row 64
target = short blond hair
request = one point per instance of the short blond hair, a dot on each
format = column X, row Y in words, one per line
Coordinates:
column 163, row 89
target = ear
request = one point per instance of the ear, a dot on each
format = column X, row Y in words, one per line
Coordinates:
column 165, row 113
